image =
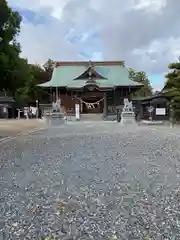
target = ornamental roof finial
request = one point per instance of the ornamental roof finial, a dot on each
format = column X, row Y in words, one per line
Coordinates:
column 90, row 63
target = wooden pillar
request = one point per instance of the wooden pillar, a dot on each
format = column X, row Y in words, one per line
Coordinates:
column 81, row 106
column 129, row 93
column 122, row 96
column 114, row 97
column 52, row 95
column 59, row 96
column 141, row 111
column 80, row 102
column 105, row 105
column 57, row 93
column 119, row 100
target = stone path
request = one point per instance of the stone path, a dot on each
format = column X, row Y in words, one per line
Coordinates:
column 91, row 181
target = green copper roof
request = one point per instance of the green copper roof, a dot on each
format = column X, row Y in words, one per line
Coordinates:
column 83, row 82
column 115, row 75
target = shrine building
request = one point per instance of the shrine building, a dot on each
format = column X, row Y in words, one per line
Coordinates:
column 98, row 87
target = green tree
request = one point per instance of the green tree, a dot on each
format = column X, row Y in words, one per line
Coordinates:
column 17, row 76
column 39, row 76
column 172, row 87
column 9, row 48
column 49, row 65
column 29, row 91
column 141, row 77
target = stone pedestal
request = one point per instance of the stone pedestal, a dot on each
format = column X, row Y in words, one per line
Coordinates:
column 57, row 115
column 127, row 118
column 128, row 115
column 57, row 112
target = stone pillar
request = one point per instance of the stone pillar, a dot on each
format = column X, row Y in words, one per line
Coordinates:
column 105, row 105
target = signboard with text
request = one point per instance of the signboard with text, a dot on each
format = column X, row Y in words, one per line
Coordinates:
column 160, row 111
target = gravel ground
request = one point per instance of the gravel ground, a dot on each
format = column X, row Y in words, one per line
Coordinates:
column 14, row 127
column 91, row 181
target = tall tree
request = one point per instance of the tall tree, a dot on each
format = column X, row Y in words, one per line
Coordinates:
column 141, row 77
column 29, row 91
column 17, row 76
column 9, row 48
column 172, row 86
column 49, row 66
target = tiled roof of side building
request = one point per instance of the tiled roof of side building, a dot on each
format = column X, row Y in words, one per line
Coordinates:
column 64, row 75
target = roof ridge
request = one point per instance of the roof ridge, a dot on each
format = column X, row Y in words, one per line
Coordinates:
column 86, row 63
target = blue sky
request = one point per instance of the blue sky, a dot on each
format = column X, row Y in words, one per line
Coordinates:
column 157, row 80
column 33, row 17
column 43, row 32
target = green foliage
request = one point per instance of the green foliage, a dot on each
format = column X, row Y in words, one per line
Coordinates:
column 172, row 86
column 9, row 23
column 28, row 91
column 49, row 65
column 9, row 48
column 141, row 77
column 122, row 63
column 16, row 75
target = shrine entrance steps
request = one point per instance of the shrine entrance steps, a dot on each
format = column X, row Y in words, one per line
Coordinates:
column 92, row 117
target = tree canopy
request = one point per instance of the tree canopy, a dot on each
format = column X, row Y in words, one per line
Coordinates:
column 172, row 86
column 141, row 77
column 17, row 76
column 9, row 48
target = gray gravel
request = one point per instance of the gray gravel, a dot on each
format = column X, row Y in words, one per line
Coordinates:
column 91, row 181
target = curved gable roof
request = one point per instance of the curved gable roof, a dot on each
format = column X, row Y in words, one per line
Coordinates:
column 113, row 74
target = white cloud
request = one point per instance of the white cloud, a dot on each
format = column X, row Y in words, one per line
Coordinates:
column 144, row 33
column 151, row 5
column 41, row 42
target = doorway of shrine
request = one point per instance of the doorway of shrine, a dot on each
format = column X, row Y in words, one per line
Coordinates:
column 92, row 104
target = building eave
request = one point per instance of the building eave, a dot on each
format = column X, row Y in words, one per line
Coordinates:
column 45, row 84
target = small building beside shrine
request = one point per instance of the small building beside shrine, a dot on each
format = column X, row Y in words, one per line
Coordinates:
column 158, row 103
column 7, row 106
column 98, row 87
